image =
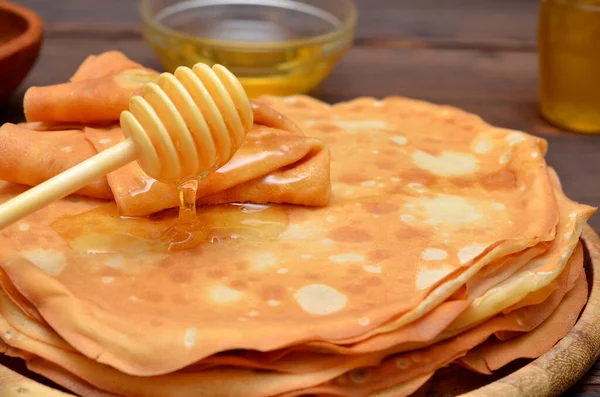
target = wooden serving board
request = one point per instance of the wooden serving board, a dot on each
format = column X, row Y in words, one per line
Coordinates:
column 549, row 375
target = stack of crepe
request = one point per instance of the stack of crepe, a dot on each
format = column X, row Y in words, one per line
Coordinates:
column 349, row 250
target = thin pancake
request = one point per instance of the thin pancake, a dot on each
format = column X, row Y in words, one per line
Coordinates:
column 403, row 389
column 104, row 64
column 412, row 365
column 425, row 331
column 497, row 272
column 335, row 274
column 363, row 389
column 531, row 285
column 564, row 282
column 427, row 328
column 222, row 382
column 68, row 380
column 30, row 157
column 402, row 121
column 306, row 362
column 392, row 371
column 272, row 166
column 538, row 273
column 98, row 92
column 494, row 354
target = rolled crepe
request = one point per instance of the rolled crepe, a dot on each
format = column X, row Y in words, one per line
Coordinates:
column 105, row 64
column 275, row 165
column 272, row 166
column 30, row 157
column 99, row 91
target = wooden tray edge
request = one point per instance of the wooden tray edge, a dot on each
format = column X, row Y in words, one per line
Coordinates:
column 569, row 360
column 13, row 384
column 549, row 375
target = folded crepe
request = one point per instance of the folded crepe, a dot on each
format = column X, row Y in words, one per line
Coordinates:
column 105, row 64
column 30, row 157
column 272, row 166
column 98, row 92
column 276, row 164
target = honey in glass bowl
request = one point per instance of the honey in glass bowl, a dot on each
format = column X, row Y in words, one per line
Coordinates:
column 276, row 47
column 569, row 63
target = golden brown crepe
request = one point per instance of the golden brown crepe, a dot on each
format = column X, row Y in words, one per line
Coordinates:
column 409, row 366
column 394, row 370
column 537, row 274
column 272, row 166
column 338, row 273
column 105, row 64
column 419, row 334
column 98, row 92
column 494, row 353
column 30, row 157
column 346, row 250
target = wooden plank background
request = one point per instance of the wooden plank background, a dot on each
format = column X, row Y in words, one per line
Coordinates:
column 478, row 55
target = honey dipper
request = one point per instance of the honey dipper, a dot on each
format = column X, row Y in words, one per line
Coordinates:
column 183, row 125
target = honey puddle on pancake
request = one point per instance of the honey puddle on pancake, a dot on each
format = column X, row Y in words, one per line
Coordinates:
column 103, row 230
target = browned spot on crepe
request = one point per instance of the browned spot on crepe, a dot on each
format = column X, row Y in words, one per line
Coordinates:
column 350, row 234
column 505, row 179
column 272, row 292
column 381, row 207
column 379, row 255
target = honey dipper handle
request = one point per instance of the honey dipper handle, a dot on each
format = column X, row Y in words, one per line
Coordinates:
column 67, row 182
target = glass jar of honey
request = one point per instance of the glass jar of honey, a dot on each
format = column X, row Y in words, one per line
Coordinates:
column 569, row 63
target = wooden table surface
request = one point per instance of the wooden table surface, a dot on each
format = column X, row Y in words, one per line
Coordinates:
column 479, row 55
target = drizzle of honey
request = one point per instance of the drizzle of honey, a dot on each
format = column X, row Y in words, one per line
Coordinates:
column 147, row 181
column 187, row 200
column 103, row 230
column 186, row 231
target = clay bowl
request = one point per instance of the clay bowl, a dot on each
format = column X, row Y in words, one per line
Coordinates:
column 20, row 40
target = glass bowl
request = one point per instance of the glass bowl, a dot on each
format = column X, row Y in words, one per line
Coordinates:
column 275, row 47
